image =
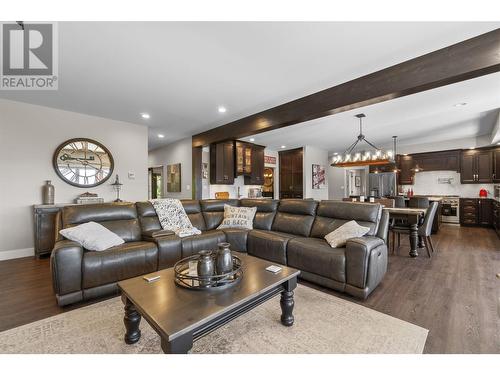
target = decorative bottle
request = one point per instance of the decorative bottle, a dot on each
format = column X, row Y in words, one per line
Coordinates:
column 205, row 267
column 224, row 261
column 48, row 192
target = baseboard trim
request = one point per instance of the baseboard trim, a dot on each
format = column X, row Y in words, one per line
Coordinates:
column 17, row 253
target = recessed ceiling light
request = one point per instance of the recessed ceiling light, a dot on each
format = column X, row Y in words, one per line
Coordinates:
column 471, row 148
column 145, row 115
column 335, row 153
column 161, row 136
column 405, row 154
column 283, row 146
column 221, row 109
column 459, row 104
column 252, row 139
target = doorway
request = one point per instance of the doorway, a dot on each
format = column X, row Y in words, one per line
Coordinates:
column 155, row 185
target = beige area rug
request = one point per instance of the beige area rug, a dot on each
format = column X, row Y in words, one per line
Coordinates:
column 323, row 324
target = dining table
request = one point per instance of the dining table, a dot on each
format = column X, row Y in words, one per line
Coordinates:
column 412, row 216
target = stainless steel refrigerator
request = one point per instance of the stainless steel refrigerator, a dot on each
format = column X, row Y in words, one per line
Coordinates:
column 382, row 184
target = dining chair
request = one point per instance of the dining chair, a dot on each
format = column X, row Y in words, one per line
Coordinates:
column 399, row 201
column 424, row 230
column 418, row 202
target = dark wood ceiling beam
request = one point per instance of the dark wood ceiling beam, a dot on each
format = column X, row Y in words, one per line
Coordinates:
column 459, row 62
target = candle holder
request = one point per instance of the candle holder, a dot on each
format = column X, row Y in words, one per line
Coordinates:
column 117, row 186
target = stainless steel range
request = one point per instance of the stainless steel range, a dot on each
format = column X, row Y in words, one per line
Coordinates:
column 450, row 210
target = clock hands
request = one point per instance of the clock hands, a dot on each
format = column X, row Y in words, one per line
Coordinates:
column 65, row 157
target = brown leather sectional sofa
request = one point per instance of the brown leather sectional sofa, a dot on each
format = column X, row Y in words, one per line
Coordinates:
column 288, row 232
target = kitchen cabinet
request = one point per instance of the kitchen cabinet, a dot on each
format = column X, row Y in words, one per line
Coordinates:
column 485, row 212
column 438, row 161
column 476, row 166
column 256, row 176
column 291, row 173
column 222, row 163
column 496, row 165
column 406, row 174
column 476, row 211
column 243, row 158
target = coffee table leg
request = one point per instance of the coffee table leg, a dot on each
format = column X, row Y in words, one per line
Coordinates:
column 287, row 302
column 413, row 240
column 131, row 320
column 179, row 345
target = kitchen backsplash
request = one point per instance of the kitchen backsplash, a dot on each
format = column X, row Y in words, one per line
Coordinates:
column 436, row 183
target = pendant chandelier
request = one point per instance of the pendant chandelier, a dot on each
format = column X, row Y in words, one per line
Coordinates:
column 372, row 156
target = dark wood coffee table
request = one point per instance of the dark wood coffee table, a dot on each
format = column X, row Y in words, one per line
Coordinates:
column 181, row 316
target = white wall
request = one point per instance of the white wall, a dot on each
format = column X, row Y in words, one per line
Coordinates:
column 177, row 152
column 314, row 155
column 29, row 135
column 336, row 183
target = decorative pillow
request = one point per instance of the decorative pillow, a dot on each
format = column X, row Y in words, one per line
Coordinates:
column 92, row 236
column 238, row 217
column 339, row 236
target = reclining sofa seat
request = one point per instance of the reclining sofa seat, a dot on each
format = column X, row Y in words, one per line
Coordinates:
column 294, row 218
column 356, row 268
column 78, row 274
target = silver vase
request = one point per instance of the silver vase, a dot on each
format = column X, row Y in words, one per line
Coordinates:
column 205, row 267
column 224, row 261
column 48, row 193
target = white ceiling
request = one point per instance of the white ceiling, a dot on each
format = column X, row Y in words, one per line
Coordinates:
column 181, row 72
column 427, row 117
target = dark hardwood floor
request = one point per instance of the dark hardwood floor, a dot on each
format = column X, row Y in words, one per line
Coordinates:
column 455, row 295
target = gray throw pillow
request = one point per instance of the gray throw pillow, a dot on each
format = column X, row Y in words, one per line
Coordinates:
column 92, row 236
column 339, row 237
column 238, row 217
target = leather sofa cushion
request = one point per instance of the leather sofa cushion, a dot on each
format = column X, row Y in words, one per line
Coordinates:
column 193, row 210
column 169, row 250
column 121, row 219
column 213, row 211
column 298, row 206
column 119, row 263
column 208, row 240
column 268, row 245
column 237, row 238
column 295, row 216
column 266, row 211
column 333, row 214
column 316, row 256
column 147, row 217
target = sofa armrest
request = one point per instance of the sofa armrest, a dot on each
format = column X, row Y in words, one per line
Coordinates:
column 383, row 226
column 66, row 267
column 150, row 235
column 357, row 255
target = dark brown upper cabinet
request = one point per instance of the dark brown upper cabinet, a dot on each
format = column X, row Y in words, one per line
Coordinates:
column 438, row 161
column 243, row 158
column 291, row 174
column 405, row 165
column 222, row 163
column 496, row 165
column 476, row 166
column 256, row 176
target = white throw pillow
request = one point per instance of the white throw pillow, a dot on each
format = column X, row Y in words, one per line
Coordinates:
column 238, row 217
column 92, row 236
column 339, row 236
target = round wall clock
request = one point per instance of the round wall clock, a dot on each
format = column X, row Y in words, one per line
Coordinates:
column 82, row 162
